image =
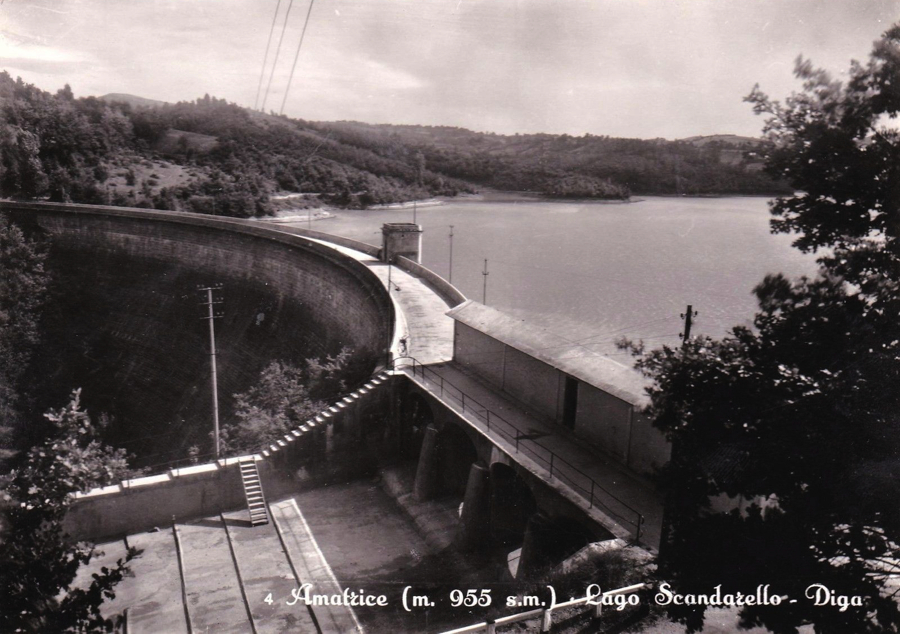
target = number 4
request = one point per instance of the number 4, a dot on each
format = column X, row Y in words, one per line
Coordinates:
column 269, row 599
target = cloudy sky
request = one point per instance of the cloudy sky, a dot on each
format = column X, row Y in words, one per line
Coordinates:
column 634, row 68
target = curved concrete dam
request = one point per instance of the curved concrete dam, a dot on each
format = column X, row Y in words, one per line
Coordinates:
column 125, row 319
column 473, row 464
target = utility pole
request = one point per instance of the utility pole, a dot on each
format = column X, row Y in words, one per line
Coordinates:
column 688, row 317
column 484, row 289
column 450, row 275
column 211, row 316
column 414, row 212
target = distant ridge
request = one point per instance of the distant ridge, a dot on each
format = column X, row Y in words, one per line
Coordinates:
column 133, row 100
column 724, row 139
column 212, row 156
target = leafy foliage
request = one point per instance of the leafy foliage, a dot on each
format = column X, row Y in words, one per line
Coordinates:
column 798, row 418
column 284, row 398
column 38, row 562
column 22, row 288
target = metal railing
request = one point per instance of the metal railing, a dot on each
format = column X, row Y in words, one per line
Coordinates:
column 525, row 444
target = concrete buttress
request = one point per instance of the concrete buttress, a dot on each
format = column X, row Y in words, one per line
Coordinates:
column 474, row 523
column 535, row 557
column 427, row 469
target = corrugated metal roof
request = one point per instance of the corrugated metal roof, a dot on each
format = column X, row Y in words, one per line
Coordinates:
column 582, row 363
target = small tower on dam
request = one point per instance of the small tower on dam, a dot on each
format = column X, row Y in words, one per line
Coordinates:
column 401, row 238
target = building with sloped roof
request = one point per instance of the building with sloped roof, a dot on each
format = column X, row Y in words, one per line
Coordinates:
column 595, row 397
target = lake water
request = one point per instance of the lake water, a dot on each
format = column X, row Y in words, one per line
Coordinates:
column 593, row 272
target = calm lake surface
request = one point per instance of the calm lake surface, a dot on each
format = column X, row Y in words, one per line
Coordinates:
column 593, row 272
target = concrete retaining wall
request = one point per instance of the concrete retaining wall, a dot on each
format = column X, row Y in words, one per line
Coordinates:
column 155, row 501
column 334, row 443
column 442, row 287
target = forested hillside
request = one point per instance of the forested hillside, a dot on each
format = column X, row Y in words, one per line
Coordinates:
column 207, row 156
column 210, row 156
column 562, row 165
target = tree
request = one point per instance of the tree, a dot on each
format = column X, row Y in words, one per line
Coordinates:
column 22, row 290
column 800, row 416
column 38, row 561
column 21, row 172
column 284, row 397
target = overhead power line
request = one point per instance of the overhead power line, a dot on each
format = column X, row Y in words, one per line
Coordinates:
column 296, row 56
column 262, row 71
column 277, row 51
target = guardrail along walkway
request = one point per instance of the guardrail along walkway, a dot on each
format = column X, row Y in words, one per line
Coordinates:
column 598, row 480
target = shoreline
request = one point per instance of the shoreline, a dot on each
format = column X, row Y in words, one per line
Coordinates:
column 315, row 214
column 508, row 196
column 428, row 202
column 486, row 196
column 497, row 195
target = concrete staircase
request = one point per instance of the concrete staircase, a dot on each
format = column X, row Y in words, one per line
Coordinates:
column 256, row 503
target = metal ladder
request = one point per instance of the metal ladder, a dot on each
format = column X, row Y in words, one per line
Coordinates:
column 256, row 503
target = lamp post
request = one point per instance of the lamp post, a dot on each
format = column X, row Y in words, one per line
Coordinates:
column 390, row 321
column 450, row 274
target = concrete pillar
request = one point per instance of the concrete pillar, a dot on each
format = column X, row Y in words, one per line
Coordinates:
column 538, row 538
column 427, row 469
column 475, row 521
column 499, row 456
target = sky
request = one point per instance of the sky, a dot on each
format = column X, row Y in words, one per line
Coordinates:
column 625, row 68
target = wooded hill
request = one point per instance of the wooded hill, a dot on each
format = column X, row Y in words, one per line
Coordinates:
column 562, row 165
column 211, row 156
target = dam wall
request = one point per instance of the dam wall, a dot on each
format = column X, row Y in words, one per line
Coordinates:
column 345, row 300
column 126, row 322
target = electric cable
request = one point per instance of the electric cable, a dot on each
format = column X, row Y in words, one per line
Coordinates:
column 277, row 51
column 296, row 56
column 262, row 71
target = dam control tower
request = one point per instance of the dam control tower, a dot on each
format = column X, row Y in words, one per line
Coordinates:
column 401, row 238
